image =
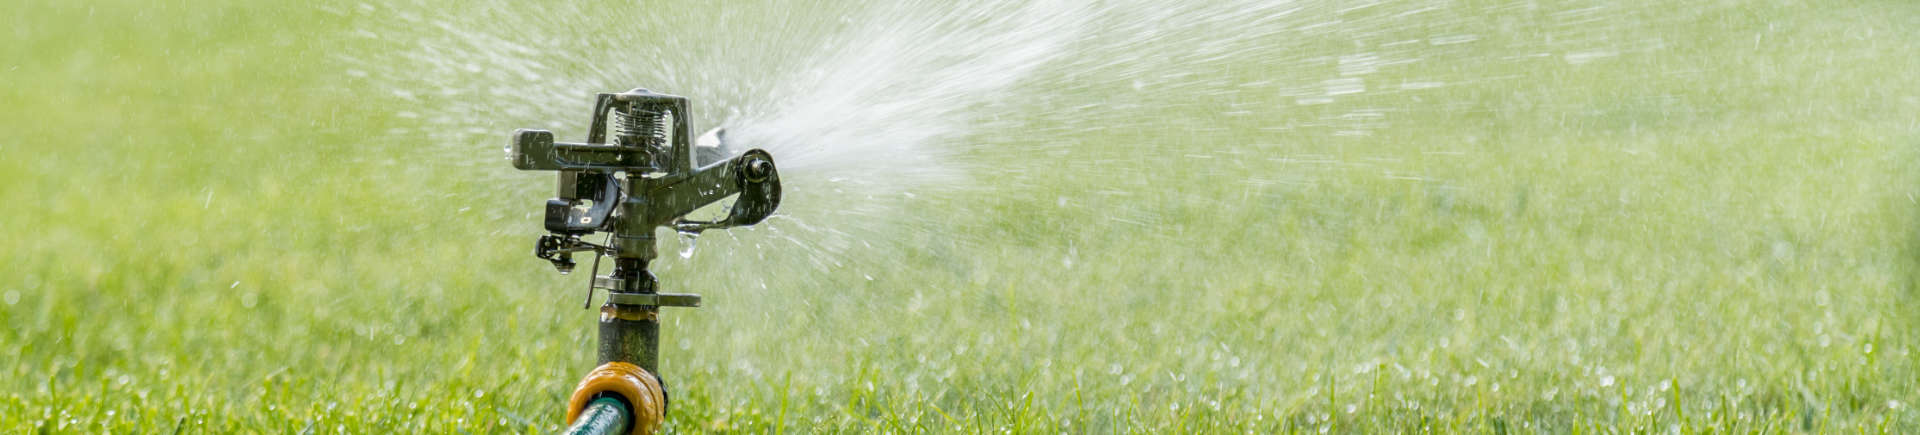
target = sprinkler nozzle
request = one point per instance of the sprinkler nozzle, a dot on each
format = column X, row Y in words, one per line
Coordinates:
column 757, row 170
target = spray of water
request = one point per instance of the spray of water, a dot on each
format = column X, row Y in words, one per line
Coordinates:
column 863, row 113
column 868, row 102
column 870, row 109
column 888, row 103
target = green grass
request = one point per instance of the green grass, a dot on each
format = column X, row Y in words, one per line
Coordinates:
column 212, row 228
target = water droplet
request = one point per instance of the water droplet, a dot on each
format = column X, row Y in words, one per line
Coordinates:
column 687, row 240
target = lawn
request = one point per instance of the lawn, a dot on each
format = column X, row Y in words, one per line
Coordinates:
column 1026, row 217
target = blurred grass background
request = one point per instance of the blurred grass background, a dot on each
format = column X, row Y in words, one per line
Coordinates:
column 212, row 227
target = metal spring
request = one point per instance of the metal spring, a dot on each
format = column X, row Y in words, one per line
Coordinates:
column 645, row 127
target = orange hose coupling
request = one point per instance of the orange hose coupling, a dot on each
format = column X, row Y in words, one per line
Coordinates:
column 629, row 382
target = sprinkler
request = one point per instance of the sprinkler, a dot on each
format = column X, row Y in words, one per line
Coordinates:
column 645, row 179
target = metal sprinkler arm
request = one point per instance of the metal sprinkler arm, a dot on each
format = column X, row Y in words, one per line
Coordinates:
column 645, row 179
column 751, row 175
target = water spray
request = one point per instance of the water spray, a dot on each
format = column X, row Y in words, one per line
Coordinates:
column 650, row 176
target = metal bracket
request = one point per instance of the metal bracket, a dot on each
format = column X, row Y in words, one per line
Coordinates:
column 617, row 293
column 611, row 284
column 655, row 299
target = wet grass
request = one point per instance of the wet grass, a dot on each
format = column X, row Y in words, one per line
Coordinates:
column 212, row 228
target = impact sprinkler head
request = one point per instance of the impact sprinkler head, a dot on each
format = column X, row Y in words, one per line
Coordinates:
column 645, row 178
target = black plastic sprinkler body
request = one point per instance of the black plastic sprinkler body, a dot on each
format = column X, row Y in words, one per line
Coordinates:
column 645, row 179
